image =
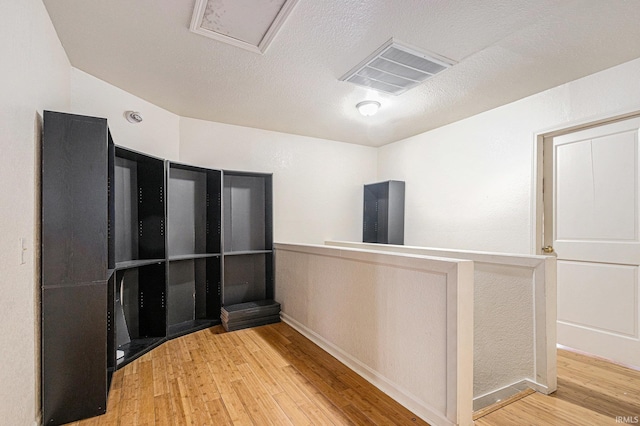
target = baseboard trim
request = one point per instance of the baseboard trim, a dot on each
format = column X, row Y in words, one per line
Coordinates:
column 406, row 399
column 502, row 403
column 506, row 393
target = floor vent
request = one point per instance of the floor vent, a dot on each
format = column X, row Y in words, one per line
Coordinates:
column 395, row 68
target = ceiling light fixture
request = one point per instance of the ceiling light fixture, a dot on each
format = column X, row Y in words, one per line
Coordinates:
column 133, row 116
column 368, row 108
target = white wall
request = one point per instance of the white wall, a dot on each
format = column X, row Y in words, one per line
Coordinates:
column 34, row 76
column 158, row 134
column 317, row 183
column 469, row 184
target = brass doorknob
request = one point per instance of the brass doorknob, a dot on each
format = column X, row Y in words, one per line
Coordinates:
column 547, row 249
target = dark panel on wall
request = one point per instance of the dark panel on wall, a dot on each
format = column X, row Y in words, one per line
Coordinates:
column 269, row 274
column 151, row 211
column 213, row 287
column 268, row 212
column 74, row 352
column 74, row 199
column 111, row 324
column 214, row 211
column 152, row 312
column 200, row 289
column 370, row 218
column 111, row 216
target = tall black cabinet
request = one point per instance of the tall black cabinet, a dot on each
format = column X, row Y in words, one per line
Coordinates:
column 383, row 219
column 136, row 250
column 75, row 273
column 194, row 242
column 138, row 234
column 248, row 239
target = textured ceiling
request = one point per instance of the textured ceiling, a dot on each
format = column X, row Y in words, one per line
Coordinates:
column 505, row 49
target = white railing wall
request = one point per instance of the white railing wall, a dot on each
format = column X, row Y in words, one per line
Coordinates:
column 403, row 322
column 514, row 319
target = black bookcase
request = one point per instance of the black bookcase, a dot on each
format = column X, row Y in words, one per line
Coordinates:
column 74, row 266
column 136, row 250
column 248, row 237
column 383, row 219
column 138, row 233
column 193, row 241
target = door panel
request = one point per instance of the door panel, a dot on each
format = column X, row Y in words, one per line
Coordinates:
column 591, row 203
column 596, row 191
column 602, row 297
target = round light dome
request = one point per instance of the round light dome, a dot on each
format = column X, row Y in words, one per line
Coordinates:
column 368, row 108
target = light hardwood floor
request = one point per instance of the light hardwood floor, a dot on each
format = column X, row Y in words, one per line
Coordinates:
column 274, row 375
column 269, row 375
column 590, row 392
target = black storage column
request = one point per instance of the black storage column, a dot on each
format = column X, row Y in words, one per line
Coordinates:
column 383, row 220
column 74, row 267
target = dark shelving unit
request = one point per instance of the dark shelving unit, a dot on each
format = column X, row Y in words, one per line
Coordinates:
column 140, row 254
column 137, row 250
column 248, row 237
column 74, row 267
column 383, row 219
column 139, row 203
column 194, row 250
column 139, row 310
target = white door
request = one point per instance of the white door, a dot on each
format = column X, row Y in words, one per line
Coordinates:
column 592, row 198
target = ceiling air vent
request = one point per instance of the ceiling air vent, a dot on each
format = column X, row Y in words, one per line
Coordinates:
column 395, row 68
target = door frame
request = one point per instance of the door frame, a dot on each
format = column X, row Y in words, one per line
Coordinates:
column 537, row 175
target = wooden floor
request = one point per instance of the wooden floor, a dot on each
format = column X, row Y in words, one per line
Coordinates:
column 590, row 392
column 272, row 375
column 269, row 375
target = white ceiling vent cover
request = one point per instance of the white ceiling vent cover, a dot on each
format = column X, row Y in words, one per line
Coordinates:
column 395, row 68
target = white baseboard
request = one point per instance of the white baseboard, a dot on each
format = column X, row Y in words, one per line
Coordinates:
column 494, row 396
column 406, row 399
column 539, row 387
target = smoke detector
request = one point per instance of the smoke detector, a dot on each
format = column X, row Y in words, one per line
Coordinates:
column 133, row 116
column 395, row 68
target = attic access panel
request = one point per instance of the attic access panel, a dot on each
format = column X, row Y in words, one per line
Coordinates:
column 249, row 24
column 395, row 68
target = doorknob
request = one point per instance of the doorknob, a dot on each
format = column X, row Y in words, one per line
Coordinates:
column 547, row 249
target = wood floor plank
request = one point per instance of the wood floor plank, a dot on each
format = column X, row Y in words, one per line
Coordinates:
column 162, row 410
column 257, row 366
column 218, row 412
column 265, row 400
column 357, row 416
column 328, row 408
column 370, row 410
column 295, row 413
column 252, row 406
